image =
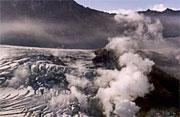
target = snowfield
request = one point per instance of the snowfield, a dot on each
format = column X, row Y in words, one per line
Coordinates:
column 61, row 82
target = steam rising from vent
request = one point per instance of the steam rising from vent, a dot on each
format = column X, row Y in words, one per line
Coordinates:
column 122, row 44
column 140, row 27
column 75, row 81
column 20, row 75
column 119, row 88
column 71, row 89
column 124, row 86
column 65, row 99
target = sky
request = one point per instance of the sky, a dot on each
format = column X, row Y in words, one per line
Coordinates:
column 115, row 5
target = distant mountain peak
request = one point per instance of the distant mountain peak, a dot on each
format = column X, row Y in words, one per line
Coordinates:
column 166, row 10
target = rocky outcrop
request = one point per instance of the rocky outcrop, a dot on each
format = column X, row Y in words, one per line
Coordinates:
column 165, row 93
column 106, row 58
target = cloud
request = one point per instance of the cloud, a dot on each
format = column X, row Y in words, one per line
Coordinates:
column 159, row 7
column 122, row 11
column 25, row 26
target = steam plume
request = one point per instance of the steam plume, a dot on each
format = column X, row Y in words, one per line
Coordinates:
column 118, row 89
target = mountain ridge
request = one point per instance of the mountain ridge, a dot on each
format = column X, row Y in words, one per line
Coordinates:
column 67, row 24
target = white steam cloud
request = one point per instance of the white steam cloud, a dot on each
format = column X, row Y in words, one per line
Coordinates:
column 140, row 32
column 75, row 81
column 64, row 99
column 119, row 88
column 140, row 27
column 130, row 82
column 122, row 11
column 126, row 108
column 159, row 7
column 20, row 75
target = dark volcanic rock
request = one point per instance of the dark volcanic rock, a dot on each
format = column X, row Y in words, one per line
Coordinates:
column 55, row 60
column 106, row 58
column 165, row 94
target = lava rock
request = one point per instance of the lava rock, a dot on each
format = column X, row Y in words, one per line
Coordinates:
column 55, row 60
column 106, row 58
column 165, row 94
